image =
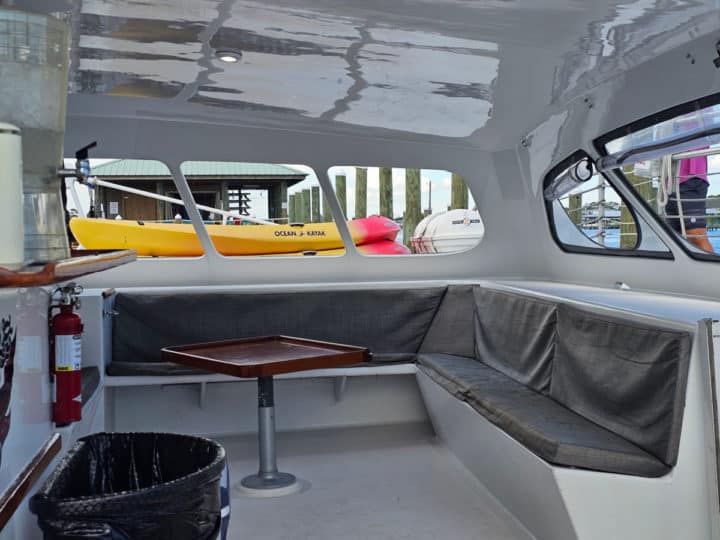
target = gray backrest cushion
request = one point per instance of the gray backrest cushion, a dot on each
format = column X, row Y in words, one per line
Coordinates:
column 385, row 321
column 451, row 330
column 627, row 377
column 515, row 334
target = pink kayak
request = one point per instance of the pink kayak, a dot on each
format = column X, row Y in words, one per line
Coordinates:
column 384, row 247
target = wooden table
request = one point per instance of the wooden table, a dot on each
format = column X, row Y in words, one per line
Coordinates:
column 264, row 357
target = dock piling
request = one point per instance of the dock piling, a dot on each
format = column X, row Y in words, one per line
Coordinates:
column 413, row 214
column 360, row 192
column 628, row 229
column 458, row 192
column 575, row 209
column 315, row 204
column 298, row 207
column 291, row 208
column 341, row 192
column 306, row 206
column 386, row 192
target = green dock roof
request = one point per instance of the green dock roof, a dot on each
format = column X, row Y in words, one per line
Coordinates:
column 145, row 168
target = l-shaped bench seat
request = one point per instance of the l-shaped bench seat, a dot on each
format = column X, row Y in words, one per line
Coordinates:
column 577, row 389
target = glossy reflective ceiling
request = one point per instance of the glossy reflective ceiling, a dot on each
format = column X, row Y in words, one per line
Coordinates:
column 449, row 68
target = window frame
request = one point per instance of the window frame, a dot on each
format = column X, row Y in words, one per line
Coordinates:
column 412, row 255
column 662, row 116
column 599, row 250
column 290, row 256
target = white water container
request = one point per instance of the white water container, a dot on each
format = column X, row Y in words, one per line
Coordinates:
column 11, row 203
column 33, row 95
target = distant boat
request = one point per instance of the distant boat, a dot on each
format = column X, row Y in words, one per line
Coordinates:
column 448, row 232
column 155, row 239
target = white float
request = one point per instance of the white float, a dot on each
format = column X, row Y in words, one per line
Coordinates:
column 448, row 232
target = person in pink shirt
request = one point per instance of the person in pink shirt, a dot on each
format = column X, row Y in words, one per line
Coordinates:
column 693, row 180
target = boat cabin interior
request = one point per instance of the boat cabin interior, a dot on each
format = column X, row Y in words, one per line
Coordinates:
column 311, row 269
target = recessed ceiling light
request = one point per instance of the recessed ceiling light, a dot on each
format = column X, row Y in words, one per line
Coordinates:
column 229, row 57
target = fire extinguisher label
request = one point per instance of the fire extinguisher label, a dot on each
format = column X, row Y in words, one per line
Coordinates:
column 68, row 351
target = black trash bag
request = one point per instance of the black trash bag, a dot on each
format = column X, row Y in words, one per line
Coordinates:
column 134, row 486
column 83, row 531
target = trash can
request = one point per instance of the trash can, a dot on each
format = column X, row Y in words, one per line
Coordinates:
column 135, row 486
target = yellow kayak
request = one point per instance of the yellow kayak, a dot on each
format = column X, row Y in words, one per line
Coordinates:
column 152, row 239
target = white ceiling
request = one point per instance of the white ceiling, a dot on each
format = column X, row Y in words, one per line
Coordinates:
column 483, row 72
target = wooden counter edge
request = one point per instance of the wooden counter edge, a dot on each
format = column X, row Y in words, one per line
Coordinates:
column 66, row 269
column 21, row 486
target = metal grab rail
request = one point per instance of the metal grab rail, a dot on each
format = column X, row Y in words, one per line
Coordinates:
column 92, row 182
column 224, row 213
column 583, row 192
column 696, row 153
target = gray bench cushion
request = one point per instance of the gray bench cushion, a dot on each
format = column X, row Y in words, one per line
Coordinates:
column 451, row 330
column 627, row 377
column 89, row 382
column 515, row 334
column 454, row 373
column 548, row 429
column 391, row 323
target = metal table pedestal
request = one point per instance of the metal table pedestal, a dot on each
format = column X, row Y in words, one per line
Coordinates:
column 268, row 482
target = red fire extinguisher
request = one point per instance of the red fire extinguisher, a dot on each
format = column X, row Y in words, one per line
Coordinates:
column 65, row 355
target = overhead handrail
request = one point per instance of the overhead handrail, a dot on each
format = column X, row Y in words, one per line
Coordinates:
column 696, row 153
column 677, row 145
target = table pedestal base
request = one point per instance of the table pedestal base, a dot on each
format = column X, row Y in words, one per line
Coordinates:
column 281, row 484
column 268, row 482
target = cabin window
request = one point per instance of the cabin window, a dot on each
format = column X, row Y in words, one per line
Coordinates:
column 674, row 167
column 126, row 206
column 263, row 209
column 589, row 215
column 402, row 211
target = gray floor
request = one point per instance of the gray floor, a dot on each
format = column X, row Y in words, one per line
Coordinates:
column 392, row 482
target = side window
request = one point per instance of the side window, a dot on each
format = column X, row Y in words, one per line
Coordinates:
column 674, row 166
column 123, row 208
column 686, row 196
column 402, row 211
column 262, row 209
column 588, row 213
